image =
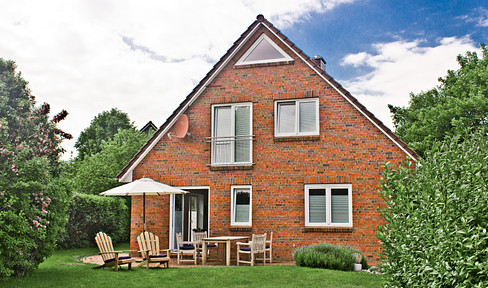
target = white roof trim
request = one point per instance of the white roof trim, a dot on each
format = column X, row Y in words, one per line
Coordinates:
column 342, row 94
column 127, row 177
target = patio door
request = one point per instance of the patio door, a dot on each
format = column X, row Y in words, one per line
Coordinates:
column 189, row 213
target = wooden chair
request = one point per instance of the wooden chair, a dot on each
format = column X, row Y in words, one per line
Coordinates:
column 186, row 248
column 197, row 239
column 149, row 249
column 269, row 249
column 256, row 246
column 110, row 257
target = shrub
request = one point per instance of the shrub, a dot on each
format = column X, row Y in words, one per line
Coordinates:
column 437, row 215
column 328, row 257
column 90, row 214
column 32, row 204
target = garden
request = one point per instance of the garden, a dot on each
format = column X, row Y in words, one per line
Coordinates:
column 436, row 213
column 65, row 269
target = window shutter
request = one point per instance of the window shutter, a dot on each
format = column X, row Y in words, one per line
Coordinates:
column 286, row 117
column 307, row 116
column 340, row 201
column 242, row 128
column 317, row 206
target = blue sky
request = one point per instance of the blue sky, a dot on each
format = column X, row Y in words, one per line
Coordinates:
column 354, row 27
column 144, row 57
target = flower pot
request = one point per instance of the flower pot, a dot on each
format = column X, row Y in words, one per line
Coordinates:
column 358, row 267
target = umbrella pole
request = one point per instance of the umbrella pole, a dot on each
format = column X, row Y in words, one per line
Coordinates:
column 144, row 212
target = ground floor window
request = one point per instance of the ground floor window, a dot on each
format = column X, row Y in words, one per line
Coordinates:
column 328, row 205
column 241, row 199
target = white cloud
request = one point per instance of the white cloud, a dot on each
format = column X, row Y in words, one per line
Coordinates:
column 478, row 16
column 142, row 57
column 356, row 60
column 399, row 68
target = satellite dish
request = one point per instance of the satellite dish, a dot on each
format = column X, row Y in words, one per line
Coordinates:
column 181, row 127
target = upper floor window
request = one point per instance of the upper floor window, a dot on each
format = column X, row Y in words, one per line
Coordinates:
column 328, row 205
column 297, row 117
column 231, row 134
column 264, row 50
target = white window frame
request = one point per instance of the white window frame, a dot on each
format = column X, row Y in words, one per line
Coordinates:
column 232, row 105
column 297, row 119
column 286, row 57
column 232, row 207
column 327, row 188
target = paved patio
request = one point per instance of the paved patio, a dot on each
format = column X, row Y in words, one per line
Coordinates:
column 97, row 259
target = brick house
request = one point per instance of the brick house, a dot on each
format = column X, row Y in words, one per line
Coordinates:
column 274, row 144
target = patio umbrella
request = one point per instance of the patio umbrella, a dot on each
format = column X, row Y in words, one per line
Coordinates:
column 144, row 186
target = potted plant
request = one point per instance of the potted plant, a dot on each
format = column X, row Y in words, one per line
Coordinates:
column 357, row 266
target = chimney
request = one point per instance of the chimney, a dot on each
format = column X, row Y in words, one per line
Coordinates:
column 319, row 61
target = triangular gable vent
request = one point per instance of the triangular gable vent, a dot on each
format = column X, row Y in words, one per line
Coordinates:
column 263, row 51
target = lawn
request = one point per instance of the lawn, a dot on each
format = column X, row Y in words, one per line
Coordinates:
column 63, row 269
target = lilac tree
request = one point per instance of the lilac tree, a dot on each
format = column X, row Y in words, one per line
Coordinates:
column 32, row 204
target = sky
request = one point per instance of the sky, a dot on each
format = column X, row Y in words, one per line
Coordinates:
column 144, row 57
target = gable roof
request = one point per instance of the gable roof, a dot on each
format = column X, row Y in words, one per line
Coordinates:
column 149, row 125
column 126, row 176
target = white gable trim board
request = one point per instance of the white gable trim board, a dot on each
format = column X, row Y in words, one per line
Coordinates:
column 127, row 176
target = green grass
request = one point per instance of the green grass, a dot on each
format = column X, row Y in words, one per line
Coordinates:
column 64, row 269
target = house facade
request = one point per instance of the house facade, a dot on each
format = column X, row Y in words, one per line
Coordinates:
column 274, row 144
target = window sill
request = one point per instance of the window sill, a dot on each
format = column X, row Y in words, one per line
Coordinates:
column 296, row 138
column 290, row 62
column 328, row 229
column 241, row 228
column 231, row 167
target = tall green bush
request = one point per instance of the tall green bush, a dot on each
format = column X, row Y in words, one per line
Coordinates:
column 328, row 257
column 32, row 204
column 90, row 214
column 437, row 217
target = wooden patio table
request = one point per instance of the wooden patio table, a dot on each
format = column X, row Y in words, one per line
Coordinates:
column 220, row 239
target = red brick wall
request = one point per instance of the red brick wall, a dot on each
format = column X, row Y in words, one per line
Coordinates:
column 350, row 149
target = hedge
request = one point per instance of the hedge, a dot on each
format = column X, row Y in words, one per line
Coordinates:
column 89, row 214
column 437, row 215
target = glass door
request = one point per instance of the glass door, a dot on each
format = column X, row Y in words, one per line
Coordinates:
column 196, row 211
column 190, row 213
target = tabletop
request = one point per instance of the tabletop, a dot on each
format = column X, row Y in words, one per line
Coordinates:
column 225, row 238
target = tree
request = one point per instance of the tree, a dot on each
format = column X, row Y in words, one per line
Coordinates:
column 460, row 102
column 437, row 216
column 32, row 205
column 96, row 173
column 102, row 128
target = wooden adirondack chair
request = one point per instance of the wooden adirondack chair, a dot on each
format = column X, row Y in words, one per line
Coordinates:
column 110, row 257
column 149, row 248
